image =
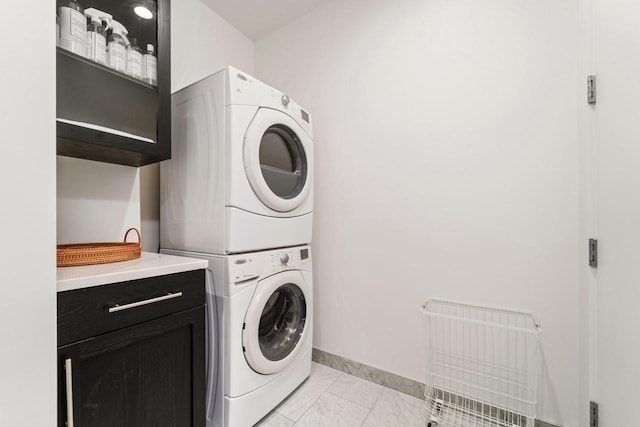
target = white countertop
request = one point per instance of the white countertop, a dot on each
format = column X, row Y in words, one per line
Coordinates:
column 148, row 265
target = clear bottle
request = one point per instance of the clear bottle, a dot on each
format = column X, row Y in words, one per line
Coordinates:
column 73, row 27
column 150, row 66
column 117, row 45
column 134, row 60
column 96, row 41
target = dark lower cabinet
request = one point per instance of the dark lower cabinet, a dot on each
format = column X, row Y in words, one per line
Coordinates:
column 150, row 373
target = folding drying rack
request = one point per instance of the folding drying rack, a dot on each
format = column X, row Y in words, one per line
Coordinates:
column 481, row 365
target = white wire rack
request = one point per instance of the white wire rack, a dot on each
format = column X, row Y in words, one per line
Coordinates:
column 481, row 365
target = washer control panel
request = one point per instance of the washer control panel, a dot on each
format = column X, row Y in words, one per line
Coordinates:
column 286, row 259
column 289, row 259
column 243, row 268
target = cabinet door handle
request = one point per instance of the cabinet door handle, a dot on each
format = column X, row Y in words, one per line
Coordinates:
column 69, row 388
column 116, row 307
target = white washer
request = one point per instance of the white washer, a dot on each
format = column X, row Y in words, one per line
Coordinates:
column 240, row 178
column 260, row 331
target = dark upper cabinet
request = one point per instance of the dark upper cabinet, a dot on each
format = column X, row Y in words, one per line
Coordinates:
column 106, row 115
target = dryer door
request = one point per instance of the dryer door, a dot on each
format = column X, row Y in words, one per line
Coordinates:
column 278, row 160
column 276, row 322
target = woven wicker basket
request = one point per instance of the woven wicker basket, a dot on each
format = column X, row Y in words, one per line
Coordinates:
column 98, row 253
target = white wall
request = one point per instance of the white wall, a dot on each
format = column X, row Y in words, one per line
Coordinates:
column 27, row 191
column 201, row 44
column 97, row 202
column 446, row 165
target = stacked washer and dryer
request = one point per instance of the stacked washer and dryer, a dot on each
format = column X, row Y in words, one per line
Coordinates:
column 238, row 193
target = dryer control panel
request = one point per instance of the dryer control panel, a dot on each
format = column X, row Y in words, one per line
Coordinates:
column 244, row 89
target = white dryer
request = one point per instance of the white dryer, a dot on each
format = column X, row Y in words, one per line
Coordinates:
column 260, row 332
column 240, row 178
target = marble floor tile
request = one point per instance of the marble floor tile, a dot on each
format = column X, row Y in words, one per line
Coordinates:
column 300, row 400
column 396, row 409
column 369, row 373
column 356, row 390
column 275, row 420
column 333, row 411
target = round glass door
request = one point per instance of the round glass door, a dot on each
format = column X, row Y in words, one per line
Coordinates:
column 282, row 322
column 283, row 162
column 277, row 322
column 278, row 160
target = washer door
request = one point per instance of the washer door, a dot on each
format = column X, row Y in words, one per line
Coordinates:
column 275, row 322
column 277, row 160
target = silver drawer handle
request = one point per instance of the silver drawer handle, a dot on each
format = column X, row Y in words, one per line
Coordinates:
column 69, row 388
column 145, row 302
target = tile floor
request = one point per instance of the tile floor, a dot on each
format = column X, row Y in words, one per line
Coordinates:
column 333, row 398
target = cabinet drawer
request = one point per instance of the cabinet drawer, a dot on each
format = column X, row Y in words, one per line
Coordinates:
column 88, row 312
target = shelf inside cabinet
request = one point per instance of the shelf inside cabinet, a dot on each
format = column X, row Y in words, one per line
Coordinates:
column 104, row 68
column 93, row 94
column 88, row 144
